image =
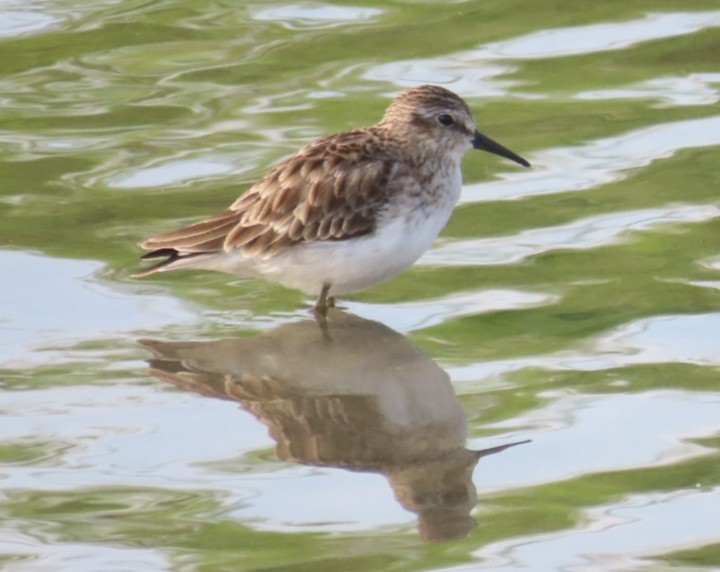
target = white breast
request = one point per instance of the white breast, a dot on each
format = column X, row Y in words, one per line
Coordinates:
column 355, row 264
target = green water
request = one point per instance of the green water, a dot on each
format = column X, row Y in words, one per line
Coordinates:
column 575, row 304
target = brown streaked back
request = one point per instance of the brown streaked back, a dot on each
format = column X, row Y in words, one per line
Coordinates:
column 332, row 189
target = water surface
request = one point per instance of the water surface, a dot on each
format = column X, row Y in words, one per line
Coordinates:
column 201, row 422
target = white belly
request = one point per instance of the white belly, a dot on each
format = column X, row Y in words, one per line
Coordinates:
column 402, row 236
column 350, row 265
column 356, row 264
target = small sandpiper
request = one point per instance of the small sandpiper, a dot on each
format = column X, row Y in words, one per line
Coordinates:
column 345, row 212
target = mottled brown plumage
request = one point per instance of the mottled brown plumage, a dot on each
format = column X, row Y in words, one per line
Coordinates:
column 330, row 190
column 338, row 189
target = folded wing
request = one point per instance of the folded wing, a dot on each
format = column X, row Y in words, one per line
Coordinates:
column 331, row 190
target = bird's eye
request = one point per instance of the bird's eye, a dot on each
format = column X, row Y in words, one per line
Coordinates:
column 446, row 119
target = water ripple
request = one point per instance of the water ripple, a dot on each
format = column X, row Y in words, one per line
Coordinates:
column 570, row 41
column 316, row 16
column 475, row 72
column 657, row 428
column 79, row 307
column 622, row 535
column 599, row 162
column 585, row 233
column 16, row 23
column 31, row 554
column 410, row 316
column 693, row 89
column 685, row 339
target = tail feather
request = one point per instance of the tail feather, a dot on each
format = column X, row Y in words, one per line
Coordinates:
column 173, row 260
column 160, row 253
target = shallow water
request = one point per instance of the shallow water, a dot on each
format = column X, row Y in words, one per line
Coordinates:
column 200, row 422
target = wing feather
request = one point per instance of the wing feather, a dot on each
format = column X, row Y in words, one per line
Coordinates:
column 333, row 189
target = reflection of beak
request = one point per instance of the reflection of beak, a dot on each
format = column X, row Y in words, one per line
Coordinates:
column 480, row 141
column 493, row 450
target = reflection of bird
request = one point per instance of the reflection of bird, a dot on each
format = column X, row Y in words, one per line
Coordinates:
column 369, row 400
column 348, row 210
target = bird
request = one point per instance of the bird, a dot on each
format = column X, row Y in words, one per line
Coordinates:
column 345, row 212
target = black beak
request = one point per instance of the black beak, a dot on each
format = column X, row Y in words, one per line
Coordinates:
column 480, row 141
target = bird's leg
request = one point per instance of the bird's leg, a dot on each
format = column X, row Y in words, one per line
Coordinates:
column 320, row 310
